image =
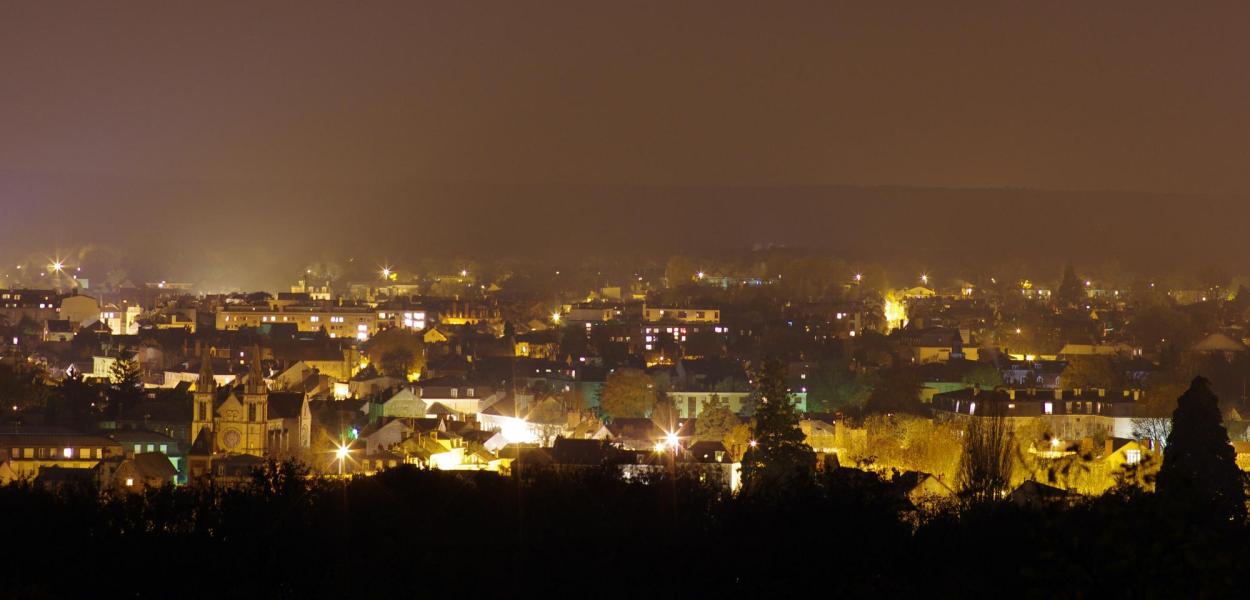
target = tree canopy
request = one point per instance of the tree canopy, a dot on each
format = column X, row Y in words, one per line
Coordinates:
column 627, row 393
column 397, row 353
column 715, row 420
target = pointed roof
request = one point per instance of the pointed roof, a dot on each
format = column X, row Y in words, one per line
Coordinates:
column 203, row 445
column 255, row 379
column 153, row 465
column 286, row 405
column 206, row 383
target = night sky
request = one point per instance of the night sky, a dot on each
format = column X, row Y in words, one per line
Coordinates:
column 195, row 135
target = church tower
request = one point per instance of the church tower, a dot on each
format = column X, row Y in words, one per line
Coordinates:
column 256, row 408
column 204, row 397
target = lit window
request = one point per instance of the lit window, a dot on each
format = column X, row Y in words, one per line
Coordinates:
column 129, row 482
column 68, row 453
column 1048, row 408
column 1132, row 457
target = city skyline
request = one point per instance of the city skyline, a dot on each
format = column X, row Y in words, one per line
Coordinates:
column 583, row 299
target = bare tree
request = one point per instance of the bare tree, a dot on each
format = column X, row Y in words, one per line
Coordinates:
column 986, row 465
column 1153, row 428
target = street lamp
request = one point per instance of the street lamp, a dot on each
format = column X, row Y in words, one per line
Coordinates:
column 341, row 454
column 924, row 278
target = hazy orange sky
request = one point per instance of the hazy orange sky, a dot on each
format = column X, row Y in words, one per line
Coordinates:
column 260, row 117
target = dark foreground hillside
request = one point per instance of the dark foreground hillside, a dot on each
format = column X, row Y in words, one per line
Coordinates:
column 408, row 531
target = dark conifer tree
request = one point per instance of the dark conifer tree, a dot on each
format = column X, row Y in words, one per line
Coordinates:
column 1071, row 289
column 779, row 460
column 1199, row 465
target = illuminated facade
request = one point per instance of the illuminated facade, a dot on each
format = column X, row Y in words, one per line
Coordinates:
column 403, row 318
column 680, row 315
column 1067, row 413
column 24, row 454
column 121, row 320
column 236, row 425
column 339, row 322
column 36, row 305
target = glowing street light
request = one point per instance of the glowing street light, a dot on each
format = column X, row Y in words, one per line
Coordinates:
column 386, row 272
column 859, row 277
column 464, row 272
column 672, row 440
column 924, row 278
column 57, row 266
column 341, row 453
column 555, row 317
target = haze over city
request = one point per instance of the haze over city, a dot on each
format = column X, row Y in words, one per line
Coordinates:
column 591, row 299
column 1070, row 129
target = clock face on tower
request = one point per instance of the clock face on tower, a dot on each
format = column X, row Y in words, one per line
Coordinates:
column 231, row 438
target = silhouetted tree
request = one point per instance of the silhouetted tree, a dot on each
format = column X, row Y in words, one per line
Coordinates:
column 986, row 465
column 1199, row 465
column 779, row 460
column 127, row 386
column 897, row 391
column 1071, row 291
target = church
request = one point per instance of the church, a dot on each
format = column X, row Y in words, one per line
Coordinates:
column 227, row 426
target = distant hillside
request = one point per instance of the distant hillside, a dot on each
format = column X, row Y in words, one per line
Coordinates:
column 187, row 230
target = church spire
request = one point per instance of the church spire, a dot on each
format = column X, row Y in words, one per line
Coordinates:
column 206, row 383
column 255, row 379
